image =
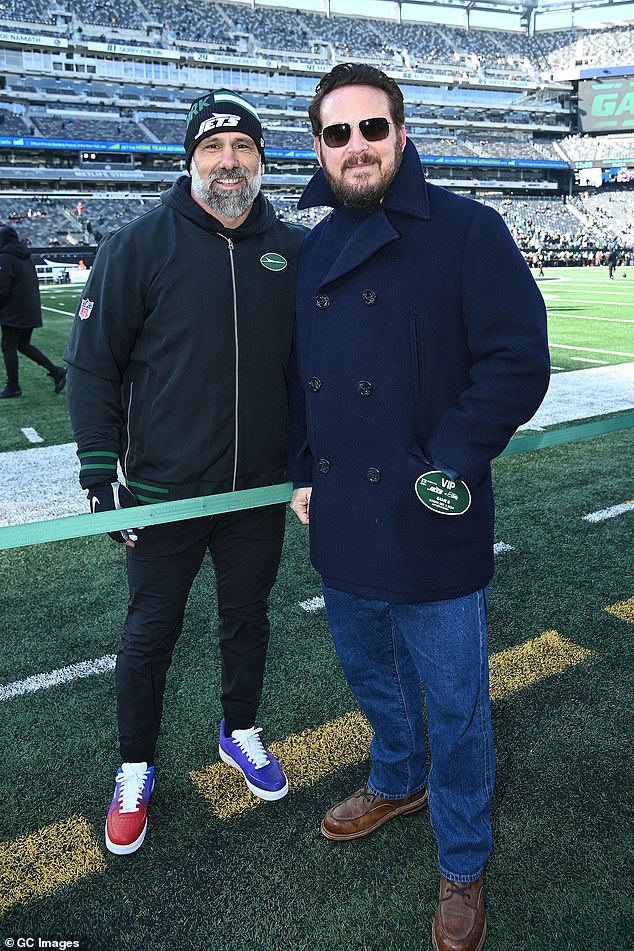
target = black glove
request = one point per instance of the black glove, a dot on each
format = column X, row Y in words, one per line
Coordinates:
column 108, row 498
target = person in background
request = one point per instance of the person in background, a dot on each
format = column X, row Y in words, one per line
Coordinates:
column 21, row 313
column 420, row 346
column 178, row 372
column 612, row 260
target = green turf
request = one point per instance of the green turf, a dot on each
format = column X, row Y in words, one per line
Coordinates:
column 600, row 298
column 267, row 880
column 572, row 296
column 40, row 408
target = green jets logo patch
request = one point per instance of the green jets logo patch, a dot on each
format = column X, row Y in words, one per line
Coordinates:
column 273, row 261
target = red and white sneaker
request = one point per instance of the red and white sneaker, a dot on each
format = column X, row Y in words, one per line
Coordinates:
column 126, row 822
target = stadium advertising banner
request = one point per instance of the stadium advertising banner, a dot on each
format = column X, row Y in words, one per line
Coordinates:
column 93, row 145
column 606, row 104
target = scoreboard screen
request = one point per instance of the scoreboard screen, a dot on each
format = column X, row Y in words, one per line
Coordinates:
column 606, row 105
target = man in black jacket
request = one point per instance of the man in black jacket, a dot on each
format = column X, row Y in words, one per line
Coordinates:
column 178, row 359
column 20, row 312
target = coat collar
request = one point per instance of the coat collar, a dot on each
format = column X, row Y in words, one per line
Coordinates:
column 407, row 194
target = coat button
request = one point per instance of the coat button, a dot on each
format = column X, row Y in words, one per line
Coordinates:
column 322, row 301
column 324, row 466
column 364, row 388
column 314, row 384
column 374, row 475
column 369, row 297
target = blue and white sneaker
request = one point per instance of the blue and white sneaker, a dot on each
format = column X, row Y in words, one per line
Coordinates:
column 262, row 773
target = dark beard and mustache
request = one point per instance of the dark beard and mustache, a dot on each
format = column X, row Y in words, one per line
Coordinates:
column 228, row 204
column 362, row 195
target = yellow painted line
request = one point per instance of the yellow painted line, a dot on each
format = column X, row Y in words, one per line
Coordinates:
column 624, row 610
column 305, row 757
column 525, row 665
column 309, row 756
column 55, row 856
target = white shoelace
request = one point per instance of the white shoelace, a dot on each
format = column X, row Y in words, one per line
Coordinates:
column 251, row 745
column 131, row 780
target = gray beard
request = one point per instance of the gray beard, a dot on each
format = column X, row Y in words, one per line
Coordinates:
column 227, row 204
column 360, row 196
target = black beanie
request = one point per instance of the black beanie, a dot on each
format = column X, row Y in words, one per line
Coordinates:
column 8, row 234
column 222, row 111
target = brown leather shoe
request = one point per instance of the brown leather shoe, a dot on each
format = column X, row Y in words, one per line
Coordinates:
column 460, row 923
column 363, row 812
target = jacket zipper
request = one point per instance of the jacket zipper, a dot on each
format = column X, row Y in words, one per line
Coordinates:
column 125, row 460
column 237, row 361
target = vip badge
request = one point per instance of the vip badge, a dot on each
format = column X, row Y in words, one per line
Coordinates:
column 441, row 494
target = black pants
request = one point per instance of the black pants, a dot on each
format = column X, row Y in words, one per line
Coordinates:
column 245, row 548
column 17, row 338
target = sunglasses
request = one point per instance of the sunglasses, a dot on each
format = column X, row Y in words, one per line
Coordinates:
column 373, row 130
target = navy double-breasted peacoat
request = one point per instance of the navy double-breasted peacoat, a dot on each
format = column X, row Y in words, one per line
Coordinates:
column 420, row 342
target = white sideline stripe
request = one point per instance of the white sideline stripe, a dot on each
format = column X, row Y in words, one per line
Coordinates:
column 54, row 310
column 317, row 603
column 609, row 513
column 603, row 363
column 32, row 434
column 607, row 320
column 584, row 300
column 614, row 353
column 63, row 675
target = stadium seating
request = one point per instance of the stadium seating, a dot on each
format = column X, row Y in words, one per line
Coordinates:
column 489, row 99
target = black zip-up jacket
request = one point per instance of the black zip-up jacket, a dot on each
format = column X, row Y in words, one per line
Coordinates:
column 20, row 304
column 179, row 349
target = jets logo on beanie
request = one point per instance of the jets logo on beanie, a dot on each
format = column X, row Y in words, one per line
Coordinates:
column 221, row 111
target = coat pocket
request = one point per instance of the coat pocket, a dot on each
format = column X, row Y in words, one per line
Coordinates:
column 417, row 352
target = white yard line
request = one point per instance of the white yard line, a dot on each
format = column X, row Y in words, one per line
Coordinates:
column 54, row 678
column 313, row 604
column 612, row 512
column 31, row 434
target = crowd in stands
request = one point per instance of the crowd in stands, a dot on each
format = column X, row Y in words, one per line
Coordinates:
column 66, row 223
column 587, row 148
column 127, row 124
column 549, row 231
column 70, row 107
column 87, row 127
column 509, row 146
column 258, row 29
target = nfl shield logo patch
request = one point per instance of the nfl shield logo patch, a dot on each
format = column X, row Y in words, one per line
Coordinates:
column 85, row 308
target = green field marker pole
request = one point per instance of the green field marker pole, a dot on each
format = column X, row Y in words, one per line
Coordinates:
column 79, row 526
column 559, row 437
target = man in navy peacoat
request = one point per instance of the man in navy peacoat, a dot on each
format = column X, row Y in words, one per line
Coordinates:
column 420, row 347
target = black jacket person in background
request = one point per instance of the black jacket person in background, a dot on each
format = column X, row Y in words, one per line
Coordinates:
column 20, row 312
column 178, row 361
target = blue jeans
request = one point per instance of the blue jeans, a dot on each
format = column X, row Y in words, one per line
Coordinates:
column 388, row 652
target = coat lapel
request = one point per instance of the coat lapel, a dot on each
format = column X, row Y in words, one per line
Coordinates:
column 373, row 233
column 407, row 196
